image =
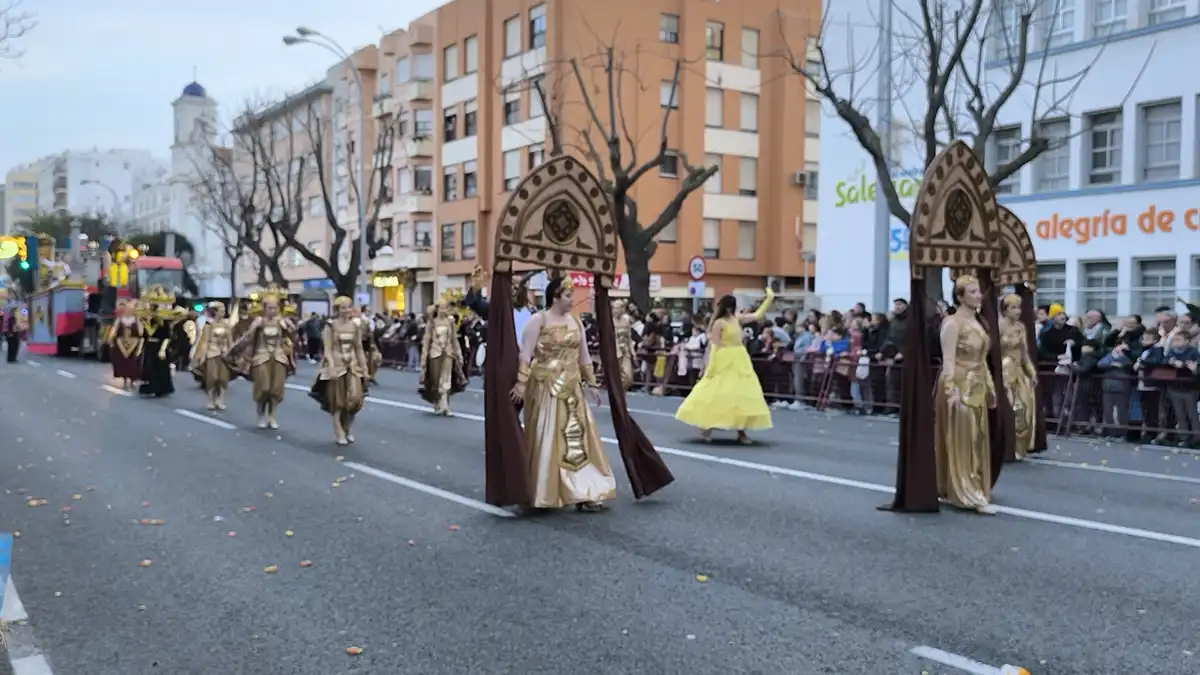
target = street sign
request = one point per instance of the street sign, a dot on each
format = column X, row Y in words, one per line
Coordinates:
column 697, row 267
column 696, row 289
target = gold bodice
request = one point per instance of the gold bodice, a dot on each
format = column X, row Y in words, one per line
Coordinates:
column 556, row 358
column 1013, row 345
column 271, row 344
column 343, row 345
column 971, row 375
column 442, row 334
column 623, row 329
column 219, row 338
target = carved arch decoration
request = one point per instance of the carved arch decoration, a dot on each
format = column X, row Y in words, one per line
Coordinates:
column 1018, row 262
column 559, row 217
column 955, row 219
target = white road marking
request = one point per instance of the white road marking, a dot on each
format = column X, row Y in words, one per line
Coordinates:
column 848, row 482
column 67, row 374
column 113, row 390
column 206, row 419
column 32, row 665
column 430, row 490
column 1115, row 470
column 35, row 364
column 13, row 610
column 955, row 661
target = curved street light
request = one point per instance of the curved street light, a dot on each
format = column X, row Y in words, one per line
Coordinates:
column 309, row 36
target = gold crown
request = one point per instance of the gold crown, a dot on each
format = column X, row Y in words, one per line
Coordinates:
column 342, row 301
column 451, row 296
column 964, row 281
column 567, row 282
column 1012, row 300
column 272, row 292
column 158, row 295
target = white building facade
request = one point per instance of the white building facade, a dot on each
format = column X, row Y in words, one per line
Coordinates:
column 92, row 182
column 195, row 132
column 1112, row 208
column 150, row 203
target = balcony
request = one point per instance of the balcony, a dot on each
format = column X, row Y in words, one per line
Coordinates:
column 404, row 258
column 380, row 107
column 418, row 146
column 60, row 183
column 414, row 90
column 415, row 203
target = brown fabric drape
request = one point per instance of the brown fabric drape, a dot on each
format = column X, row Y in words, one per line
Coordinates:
column 1029, row 318
column 647, row 471
column 1002, row 434
column 504, row 439
column 916, row 464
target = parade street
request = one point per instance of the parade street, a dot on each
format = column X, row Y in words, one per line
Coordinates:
column 174, row 541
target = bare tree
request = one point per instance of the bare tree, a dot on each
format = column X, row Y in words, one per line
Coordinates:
column 14, row 25
column 598, row 87
column 965, row 61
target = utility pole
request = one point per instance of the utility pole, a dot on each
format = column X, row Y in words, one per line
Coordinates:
column 883, row 216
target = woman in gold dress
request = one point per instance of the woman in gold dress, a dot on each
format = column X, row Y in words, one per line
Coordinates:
column 271, row 356
column 341, row 385
column 567, row 464
column 442, row 373
column 125, row 341
column 208, row 360
column 961, row 400
column 1020, row 375
column 370, row 345
column 623, row 329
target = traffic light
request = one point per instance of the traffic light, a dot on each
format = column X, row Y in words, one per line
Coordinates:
column 24, row 264
column 198, row 307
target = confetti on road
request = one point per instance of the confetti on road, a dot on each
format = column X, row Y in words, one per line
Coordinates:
column 76, row 497
column 454, row 528
column 33, row 503
column 354, row 651
column 271, row 569
column 289, row 533
column 231, row 533
column 306, row 563
column 146, row 563
column 702, row 578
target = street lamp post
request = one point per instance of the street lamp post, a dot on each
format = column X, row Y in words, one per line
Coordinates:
column 883, row 214
column 308, row 36
column 116, row 198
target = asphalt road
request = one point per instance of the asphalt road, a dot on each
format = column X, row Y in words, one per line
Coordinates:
column 759, row 560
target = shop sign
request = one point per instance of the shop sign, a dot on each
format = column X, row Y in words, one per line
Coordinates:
column 386, row 281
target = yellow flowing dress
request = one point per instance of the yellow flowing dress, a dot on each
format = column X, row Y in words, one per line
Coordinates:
column 1019, row 377
column 729, row 395
column 964, row 464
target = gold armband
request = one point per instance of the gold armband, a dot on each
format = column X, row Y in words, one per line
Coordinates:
column 589, row 376
column 523, row 373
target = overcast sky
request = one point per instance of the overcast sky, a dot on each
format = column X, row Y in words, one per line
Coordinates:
column 104, row 74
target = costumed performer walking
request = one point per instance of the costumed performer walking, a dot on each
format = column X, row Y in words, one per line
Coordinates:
column 126, row 339
column 208, row 358
column 341, row 385
column 271, row 358
column 442, row 371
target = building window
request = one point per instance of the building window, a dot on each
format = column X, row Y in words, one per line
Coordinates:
column 1156, row 285
column 749, row 116
column 747, row 236
column 385, row 88
column 403, row 70
column 1053, row 166
column 668, row 28
column 1163, row 127
column 450, row 63
column 670, row 166
column 1058, row 17
column 450, row 183
column 670, row 233
column 1104, row 135
column 535, row 100
column 1099, row 292
column 812, row 118
column 449, row 247
column 449, row 124
column 537, row 155
column 668, row 94
column 748, row 177
column 470, row 179
column 1109, row 17
column 470, row 119
column 471, row 54
column 713, row 185
column 537, row 27
column 749, row 48
column 468, row 240
column 512, row 108
column 512, row 169
column 1005, row 23
column 812, row 177
column 711, row 238
column 714, row 107
column 714, row 41
column 423, row 236
column 403, row 180
column 512, row 37
column 1051, row 284
column 404, row 234
column 423, row 180
column 1008, row 146
column 1165, row 11
column 403, row 124
column 316, row 206
column 423, row 66
column 423, row 124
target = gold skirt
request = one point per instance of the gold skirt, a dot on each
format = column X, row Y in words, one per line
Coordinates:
column 567, row 464
column 269, row 379
column 345, row 394
column 964, row 460
column 1023, row 399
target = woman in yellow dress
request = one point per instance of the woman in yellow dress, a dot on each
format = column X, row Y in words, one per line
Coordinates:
column 208, row 359
column 271, row 356
column 1020, row 375
column 442, row 371
column 728, row 395
column 567, row 464
column 961, row 400
column 341, row 386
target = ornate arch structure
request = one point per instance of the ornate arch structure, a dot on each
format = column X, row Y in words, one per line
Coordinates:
column 954, row 222
column 1018, row 262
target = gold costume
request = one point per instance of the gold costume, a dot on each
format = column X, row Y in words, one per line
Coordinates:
column 208, row 360
column 441, row 361
column 623, row 329
column 341, row 382
column 369, row 347
column 269, row 362
column 964, row 473
column 1020, row 377
column 567, row 464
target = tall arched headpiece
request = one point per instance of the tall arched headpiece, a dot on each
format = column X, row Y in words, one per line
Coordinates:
column 954, row 222
column 1018, row 262
column 559, row 217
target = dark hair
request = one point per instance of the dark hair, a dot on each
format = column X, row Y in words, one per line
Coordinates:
column 726, row 306
column 902, row 300
column 554, row 290
column 1136, row 316
column 1044, row 308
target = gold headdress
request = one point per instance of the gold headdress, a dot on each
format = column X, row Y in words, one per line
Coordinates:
column 451, row 297
column 1012, row 300
column 567, row 282
column 270, row 293
column 961, row 283
column 158, row 295
column 216, row 304
column 342, row 302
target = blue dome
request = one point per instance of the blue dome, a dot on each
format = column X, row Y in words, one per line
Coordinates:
column 194, row 89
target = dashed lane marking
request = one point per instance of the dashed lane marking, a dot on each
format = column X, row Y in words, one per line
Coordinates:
column 113, row 390
column 35, row 364
column 206, row 419
column 1114, row 470
column 67, row 374
column 430, row 490
column 955, row 661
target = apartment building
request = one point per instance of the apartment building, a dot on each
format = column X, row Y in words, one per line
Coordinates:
column 91, row 181
column 20, row 198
